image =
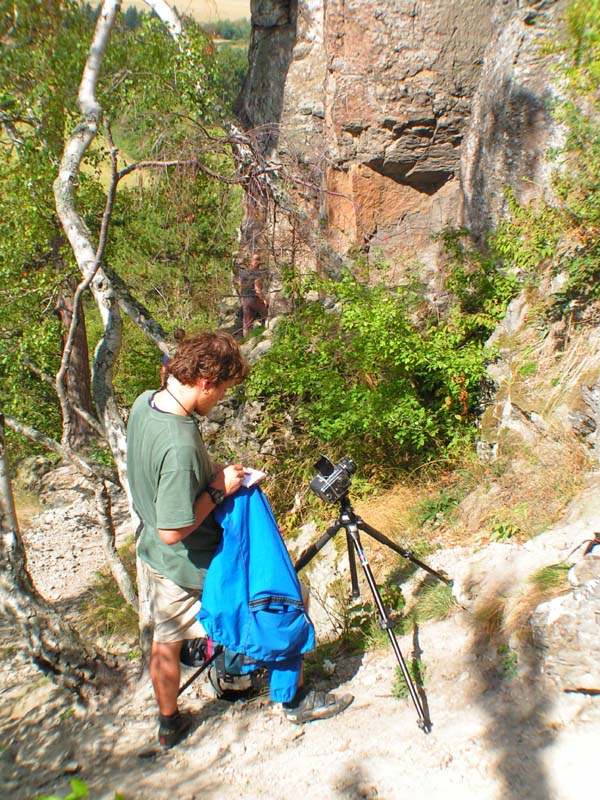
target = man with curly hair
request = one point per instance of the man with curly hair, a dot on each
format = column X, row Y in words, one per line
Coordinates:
column 175, row 488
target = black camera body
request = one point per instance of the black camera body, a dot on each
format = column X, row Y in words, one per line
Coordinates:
column 332, row 481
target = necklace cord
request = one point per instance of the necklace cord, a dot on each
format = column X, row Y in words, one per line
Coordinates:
column 168, row 391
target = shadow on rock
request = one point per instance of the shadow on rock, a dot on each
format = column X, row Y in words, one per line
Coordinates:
column 516, row 701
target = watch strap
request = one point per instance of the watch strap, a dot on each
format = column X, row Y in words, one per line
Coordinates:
column 216, row 495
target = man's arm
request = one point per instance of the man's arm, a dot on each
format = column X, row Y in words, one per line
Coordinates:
column 259, row 292
column 202, row 508
column 229, row 480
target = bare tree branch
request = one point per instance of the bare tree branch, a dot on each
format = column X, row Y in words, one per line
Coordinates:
column 89, row 419
column 9, row 124
column 192, row 162
column 53, row 644
column 87, row 470
column 97, row 480
column 109, row 538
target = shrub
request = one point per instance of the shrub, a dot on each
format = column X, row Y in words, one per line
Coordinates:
column 364, row 375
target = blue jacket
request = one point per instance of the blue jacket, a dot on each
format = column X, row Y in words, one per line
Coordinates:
column 252, row 602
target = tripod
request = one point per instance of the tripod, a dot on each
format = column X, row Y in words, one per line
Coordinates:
column 352, row 525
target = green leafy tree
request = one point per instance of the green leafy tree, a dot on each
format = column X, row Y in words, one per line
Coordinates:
column 132, row 18
column 56, row 166
column 172, row 232
column 230, row 29
column 43, row 53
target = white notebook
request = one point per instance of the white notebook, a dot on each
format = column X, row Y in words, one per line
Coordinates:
column 252, row 477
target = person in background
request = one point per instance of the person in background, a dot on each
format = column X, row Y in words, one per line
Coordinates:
column 254, row 303
column 178, row 337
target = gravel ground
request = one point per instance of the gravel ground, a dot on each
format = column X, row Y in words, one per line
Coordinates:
column 494, row 737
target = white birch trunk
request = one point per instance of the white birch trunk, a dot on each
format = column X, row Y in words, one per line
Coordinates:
column 81, row 242
column 110, row 295
column 168, row 15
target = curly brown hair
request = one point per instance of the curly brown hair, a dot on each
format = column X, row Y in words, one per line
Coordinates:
column 210, row 354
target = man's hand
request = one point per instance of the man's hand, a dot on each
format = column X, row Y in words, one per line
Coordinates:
column 229, row 478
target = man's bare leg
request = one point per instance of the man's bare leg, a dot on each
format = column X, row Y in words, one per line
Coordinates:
column 165, row 673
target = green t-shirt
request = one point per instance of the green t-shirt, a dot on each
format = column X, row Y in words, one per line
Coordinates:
column 168, row 467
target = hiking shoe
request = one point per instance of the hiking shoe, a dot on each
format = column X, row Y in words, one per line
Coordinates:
column 312, row 705
column 172, row 730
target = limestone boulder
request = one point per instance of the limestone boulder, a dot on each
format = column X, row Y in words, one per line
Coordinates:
column 565, row 631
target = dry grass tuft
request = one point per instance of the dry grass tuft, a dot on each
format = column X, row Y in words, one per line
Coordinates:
column 520, row 495
column 489, row 616
column 546, row 583
column 390, row 512
column 104, row 613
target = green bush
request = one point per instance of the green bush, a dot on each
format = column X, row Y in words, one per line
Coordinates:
column 365, row 374
column 433, row 510
column 565, row 234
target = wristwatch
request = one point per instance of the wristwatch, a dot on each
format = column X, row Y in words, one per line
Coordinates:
column 216, row 495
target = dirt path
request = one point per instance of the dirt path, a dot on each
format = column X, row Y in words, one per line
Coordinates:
column 495, row 736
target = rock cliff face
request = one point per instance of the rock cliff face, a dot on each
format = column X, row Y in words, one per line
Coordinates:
column 399, row 117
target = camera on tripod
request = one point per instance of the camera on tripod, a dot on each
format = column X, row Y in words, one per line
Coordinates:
column 332, row 481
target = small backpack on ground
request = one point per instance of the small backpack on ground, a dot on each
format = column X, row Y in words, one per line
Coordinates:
column 225, row 672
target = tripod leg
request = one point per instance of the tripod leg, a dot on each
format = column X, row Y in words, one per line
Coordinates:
column 423, row 722
column 397, row 549
column 352, row 565
column 218, row 649
column 312, row 551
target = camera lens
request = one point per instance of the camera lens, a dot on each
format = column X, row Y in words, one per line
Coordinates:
column 348, row 465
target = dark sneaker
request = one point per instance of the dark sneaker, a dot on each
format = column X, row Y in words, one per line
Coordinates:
column 172, row 730
column 311, row 705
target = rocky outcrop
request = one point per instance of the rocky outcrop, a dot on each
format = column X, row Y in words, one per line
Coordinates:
column 511, row 126
column 398, row 118
column 565, row 631
column 399, row 85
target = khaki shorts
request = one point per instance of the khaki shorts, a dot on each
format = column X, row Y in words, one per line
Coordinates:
column 305, row 595
column 173, row 608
